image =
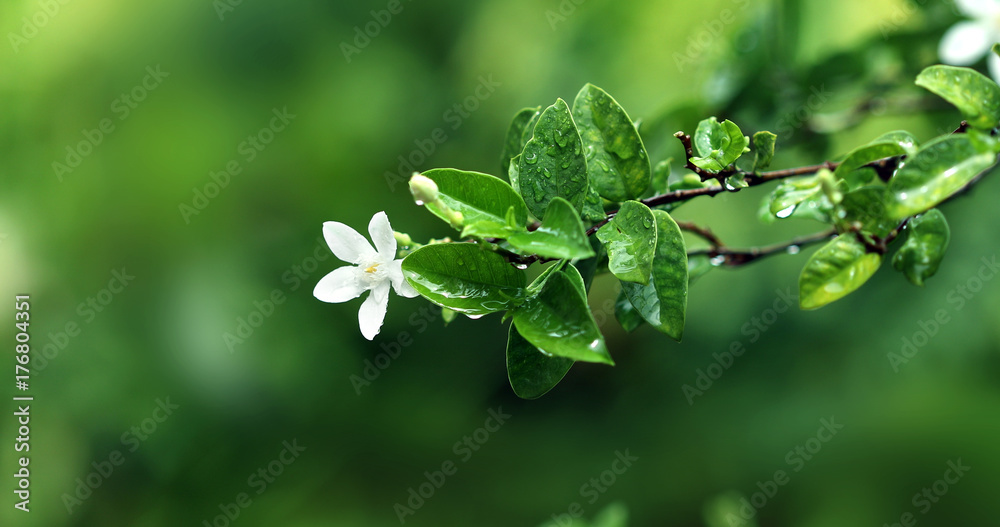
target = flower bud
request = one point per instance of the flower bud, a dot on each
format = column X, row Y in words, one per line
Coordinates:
column 402, row 238
column 423, row 188
column 457, row 219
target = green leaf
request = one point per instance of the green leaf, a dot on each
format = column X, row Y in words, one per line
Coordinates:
column 660, row 183
column 489, row 229
column 617, row 162
column 552, row 164
column 851, row 171
column 763, row 146
column 532, row 373
column 514, row 142
column 513, row 174
column 630, row 238
column 465, row 278
column 663, row 301
column 924, row 249
column 974, row 94
column 558, row 321
column 867, row 207
column 789, row 194
column 479, row 197
column 593, row 206
column 936, row 172
column 626, row 314
column 904, row 139
column 718, row 144
column 835, row 271
column 561, row 234
column 588, row 267
column 529, row 129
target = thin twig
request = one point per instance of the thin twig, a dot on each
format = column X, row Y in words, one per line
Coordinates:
column 738, row 257
column 703, row 232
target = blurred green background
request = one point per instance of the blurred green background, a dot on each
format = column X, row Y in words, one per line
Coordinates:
column 827, row 76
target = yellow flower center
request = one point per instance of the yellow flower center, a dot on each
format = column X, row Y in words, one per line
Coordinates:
column 372, row 268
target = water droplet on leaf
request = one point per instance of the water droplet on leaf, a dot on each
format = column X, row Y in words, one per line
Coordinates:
column 784, row 213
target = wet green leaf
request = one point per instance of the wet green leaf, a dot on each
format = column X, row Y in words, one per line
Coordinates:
column 479, row 197
column 552, row 163
column 974, row 94
column 588, row 267
column 561, row 234
column 557, row 320
column 593, row 206
column 937, row 171
column 532, row 373
column 514, row 142
column 904, row 139
column 792, row 192
column 465, row 278
column 617, row 162
column 660, row 183
column 718, row 144
column 851, row 169
column 925, row 246
column 626, row 314
column 867, row 207
column 835, row 271
column 630, row 238
column 663, row 301
column 763, row 146
column 529, row 128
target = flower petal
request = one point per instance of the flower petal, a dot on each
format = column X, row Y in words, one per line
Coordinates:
column 381, row 233
column 345, row 242
column 978, row 8
column 399, row 283
column 993, row 61
column 340, row 285
column 372, row 311
column 965, row 43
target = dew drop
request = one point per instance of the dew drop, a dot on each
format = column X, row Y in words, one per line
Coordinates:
column 718, row 260
column 531, row 158
column 547, row 174
column 833, row 288
column 521, row 266
column 419, row 203
column 475, row 317
column 784, row 213
column 730, row 187
column 604, row 166
column 793, row 249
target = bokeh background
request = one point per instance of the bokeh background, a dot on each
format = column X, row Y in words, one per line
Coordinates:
column 827, row 76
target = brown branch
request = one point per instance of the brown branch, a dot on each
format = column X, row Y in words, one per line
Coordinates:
column 739, row 257
column 703, row 232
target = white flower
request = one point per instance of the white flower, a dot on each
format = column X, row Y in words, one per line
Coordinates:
column 966, row 42
column 373, row 270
